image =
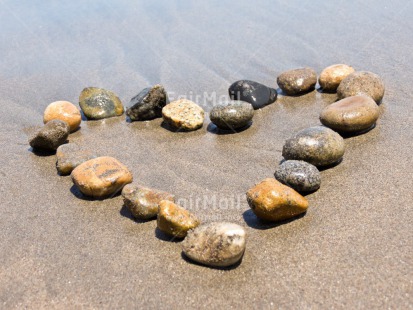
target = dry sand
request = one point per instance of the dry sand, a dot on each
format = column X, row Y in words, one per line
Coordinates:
column 353, row 249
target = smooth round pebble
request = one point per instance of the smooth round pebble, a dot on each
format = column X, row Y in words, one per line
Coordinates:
column 183, row 115
column 331, row 77
column 297, row 81
column 64, row 111
column 257, row 94
column 215, row 244
column 317, row 145
column 272, row 201
column 299, row 175
column 101, row 177
column 148, row 104
column 352, row 114
column 99, row 103
column 48, row 138
column 174, row 220
column 143, row 202
column 362, row 83
column 232, row 115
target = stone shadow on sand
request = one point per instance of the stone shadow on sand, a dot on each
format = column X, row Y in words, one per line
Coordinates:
column 254, row 222
column 212, row 128
column 168, row 127
column 41, row 153
column 322, row 91
column 320, row 168
column 125, row 212
column 347, row 135
column 282, row 93
column 164, row 237
column 190, row 261
column 78, row 194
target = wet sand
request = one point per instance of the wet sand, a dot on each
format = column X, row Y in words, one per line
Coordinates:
column 353, row 248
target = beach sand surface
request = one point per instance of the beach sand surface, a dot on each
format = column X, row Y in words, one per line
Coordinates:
column 353, row 248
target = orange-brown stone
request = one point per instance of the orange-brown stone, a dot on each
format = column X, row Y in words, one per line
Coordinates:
column 175, row 220
column 64, row 111
column 331, row 77
column 270, row 200
column 101, row 177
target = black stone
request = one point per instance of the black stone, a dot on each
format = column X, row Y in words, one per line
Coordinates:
column 148, row 104
column 258, row 95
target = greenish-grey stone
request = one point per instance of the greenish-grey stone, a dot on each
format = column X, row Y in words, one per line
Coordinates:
column 99, row 103
column 317, row 145
column 232, row 115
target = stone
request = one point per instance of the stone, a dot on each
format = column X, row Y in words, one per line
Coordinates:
column 147, row 104
column 101, row 177
column 316, row 145
column 297, row 81
column 48, row 138
column 362, row 83
column 69, row 156
column 258, row 95
column 299, row 175
column 232, row 115
column 174, row 220
column 215, row 244
column 351, row 114
column 272, row 201
column 331, row 77
column 99, row 103
column 183, row 115
column 64, row 111
column 143, row 202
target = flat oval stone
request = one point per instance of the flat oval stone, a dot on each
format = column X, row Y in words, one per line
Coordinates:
column 183, row 115
column 331, row 77
column 317, row 145
column 148, row 104
column 143, row 202
column 99, row 103
column 215, row 244
column 272, row 201
column 232, row 115
column 297, row 81
column 64, row 111
column 174, row 220
column 69, row 156
column 299, row 175
column 50, row 136
column 362, row 83
column 352, row 114
column 258, row 95
column 101, row 177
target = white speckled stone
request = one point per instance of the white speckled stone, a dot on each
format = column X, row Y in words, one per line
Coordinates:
column 215, row 244
column 183, row 115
